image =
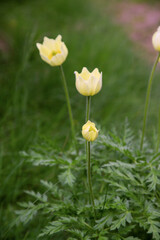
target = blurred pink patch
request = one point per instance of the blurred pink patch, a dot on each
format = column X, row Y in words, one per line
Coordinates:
column 141, row 20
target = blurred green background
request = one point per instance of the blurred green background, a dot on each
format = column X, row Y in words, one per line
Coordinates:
column 32, row 101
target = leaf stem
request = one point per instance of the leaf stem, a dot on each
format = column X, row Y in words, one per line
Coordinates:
column 147, row 100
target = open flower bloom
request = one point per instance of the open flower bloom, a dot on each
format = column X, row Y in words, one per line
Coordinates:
column 88, row 84
column 53, row 51
column 89, row 131
column 156, row 40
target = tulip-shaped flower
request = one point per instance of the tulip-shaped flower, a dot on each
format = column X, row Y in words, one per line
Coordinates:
column 53, row 51
column 88, row 84
column 156, row 40
column 89, row 131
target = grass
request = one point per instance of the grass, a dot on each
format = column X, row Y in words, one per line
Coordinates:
column 32, row 102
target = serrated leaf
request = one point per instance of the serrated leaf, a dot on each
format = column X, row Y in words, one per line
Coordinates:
column 154, row 229
column 53, row 227
column 101, row 222
column 122, row 220
column 67, row 178
column 37, row 195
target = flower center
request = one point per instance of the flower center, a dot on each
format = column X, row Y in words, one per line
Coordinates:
column 91, row 129
column 53, row 53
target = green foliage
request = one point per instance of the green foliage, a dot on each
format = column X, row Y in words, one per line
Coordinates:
column 126, row 186
column 32, row 99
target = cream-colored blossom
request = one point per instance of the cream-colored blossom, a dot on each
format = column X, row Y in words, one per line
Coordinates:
column 88, row 84
column 89, row 131
column 53, row 51
column 156, row 40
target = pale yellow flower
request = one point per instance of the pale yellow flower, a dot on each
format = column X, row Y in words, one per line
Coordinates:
column 156, row 40
column 53, row 51
column 89, row 131
column 88, row 84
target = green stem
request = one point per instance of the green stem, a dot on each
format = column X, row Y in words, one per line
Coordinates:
column 147, row 100
column 158, row 138
column 89, row 176
column 68, row 102
column 88, row 155
column 88, row 103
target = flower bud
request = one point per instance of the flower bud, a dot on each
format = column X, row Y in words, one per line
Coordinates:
column 53, row 51
column 88, row 84
column 156, row 40
column 89, row 131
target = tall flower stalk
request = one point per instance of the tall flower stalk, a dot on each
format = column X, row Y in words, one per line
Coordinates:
column 68, row 102
column 88, row 156
column 158, row 137
column 147, row 100
column 88, row 84
column 54, row 52
column 156, row 46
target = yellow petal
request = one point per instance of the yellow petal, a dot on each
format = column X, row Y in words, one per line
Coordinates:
column 58, row 59
column 82, row 86
column 96, row 73
column 99, row 85
column 88, row 84
column 64, row 50
column 59, row 38
column 156, row 40
column 89, row 131
column 85, row 74
column 53, row 51
column 49, row 43
column 92, row 83
column 43, row 52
